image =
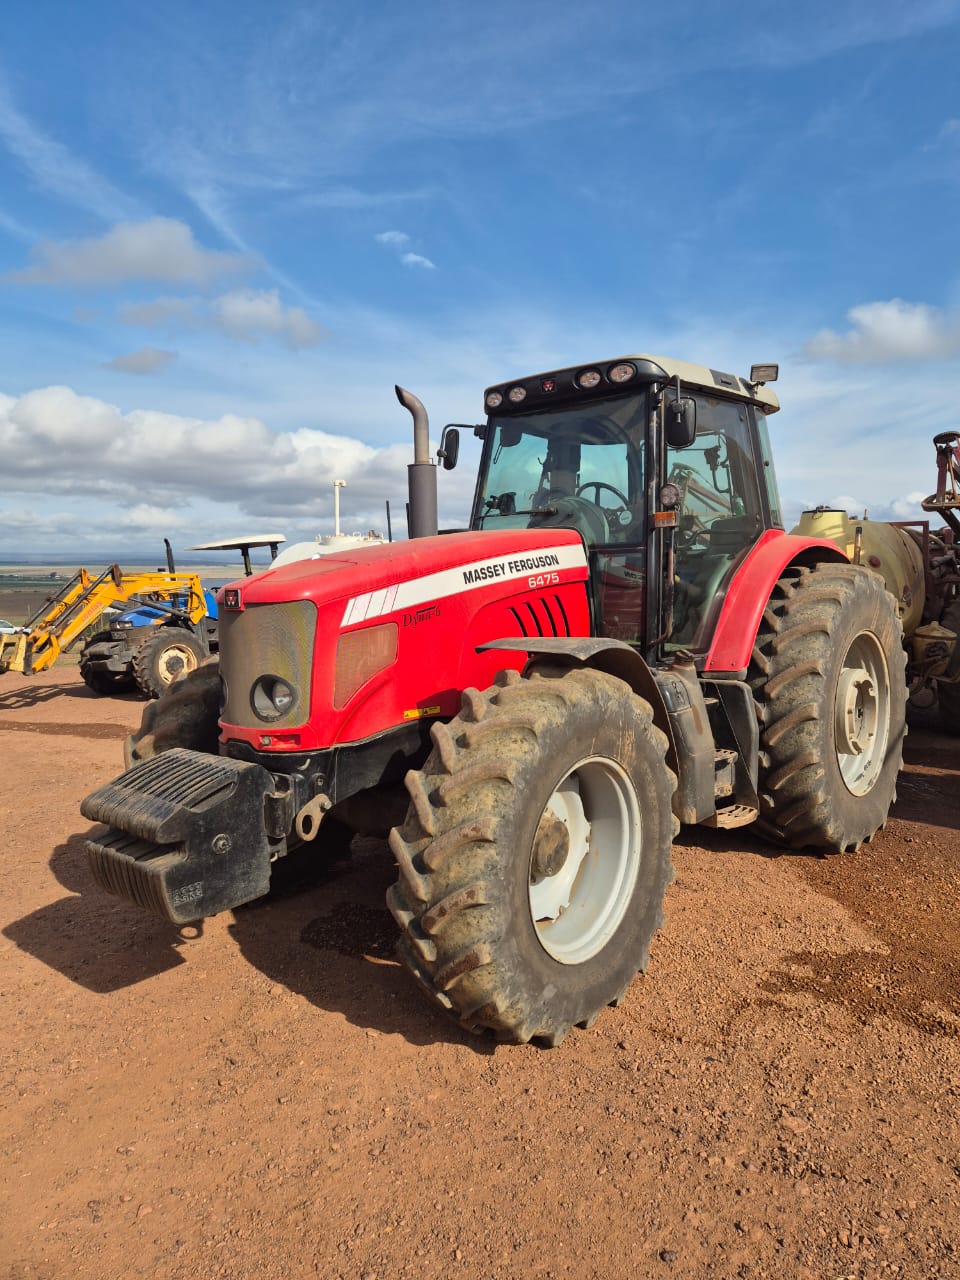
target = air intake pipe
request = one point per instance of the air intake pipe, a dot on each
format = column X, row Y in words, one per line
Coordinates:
column 421, row 473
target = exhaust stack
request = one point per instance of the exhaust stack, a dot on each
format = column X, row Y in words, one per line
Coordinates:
column 421, row 473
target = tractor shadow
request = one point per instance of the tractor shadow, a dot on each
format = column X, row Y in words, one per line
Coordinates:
column 27, row 696
column 327, row 937
column 331, row 939
column 92, row 939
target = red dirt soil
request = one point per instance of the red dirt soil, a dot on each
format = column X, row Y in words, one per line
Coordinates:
column 269, row 1095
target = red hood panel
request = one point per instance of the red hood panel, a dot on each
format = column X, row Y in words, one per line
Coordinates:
column 490, row 555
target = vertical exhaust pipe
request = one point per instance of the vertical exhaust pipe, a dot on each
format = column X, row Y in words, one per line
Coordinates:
column 421, row 473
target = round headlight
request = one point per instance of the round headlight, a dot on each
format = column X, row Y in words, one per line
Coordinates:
column 494, row 400
column 516, row 394
column 588, row 379
column 622, row 372
column 272, row 698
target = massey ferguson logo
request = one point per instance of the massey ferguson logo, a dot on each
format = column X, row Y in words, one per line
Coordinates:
column 510, row 568
column 426, row 614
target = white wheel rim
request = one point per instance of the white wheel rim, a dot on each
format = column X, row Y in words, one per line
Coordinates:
column 862, row 714
column 578, row 909
column 175, row 661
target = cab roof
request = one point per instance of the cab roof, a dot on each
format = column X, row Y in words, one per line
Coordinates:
column 649, row 368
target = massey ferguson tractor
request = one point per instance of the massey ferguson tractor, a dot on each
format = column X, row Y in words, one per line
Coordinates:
column 624, row 640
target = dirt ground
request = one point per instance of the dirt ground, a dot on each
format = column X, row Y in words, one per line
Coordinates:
column 270, row 1096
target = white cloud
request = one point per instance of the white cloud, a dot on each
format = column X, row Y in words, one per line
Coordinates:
column 156, row 249
column 399, row 240
column 145, row 361
column 245, row 314
column 250, row 314
column 887, row 331
column 66, row 446
column 162, row 312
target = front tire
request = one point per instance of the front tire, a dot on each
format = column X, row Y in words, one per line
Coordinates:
column 535, row 853
column 104, row 683
column 186, row 715
column 828, row 678
column 166, row 655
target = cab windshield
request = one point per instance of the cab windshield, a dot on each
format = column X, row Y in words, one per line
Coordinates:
column 578, row 467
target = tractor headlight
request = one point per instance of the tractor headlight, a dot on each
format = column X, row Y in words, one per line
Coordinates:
column 272, row 698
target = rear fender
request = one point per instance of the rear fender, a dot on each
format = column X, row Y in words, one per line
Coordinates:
column 749, row 591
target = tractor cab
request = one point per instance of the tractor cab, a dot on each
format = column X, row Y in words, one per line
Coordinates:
column 655, row 463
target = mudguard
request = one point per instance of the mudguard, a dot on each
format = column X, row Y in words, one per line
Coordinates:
column 748, row 593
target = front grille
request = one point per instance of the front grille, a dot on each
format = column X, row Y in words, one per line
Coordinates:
column 267, row 640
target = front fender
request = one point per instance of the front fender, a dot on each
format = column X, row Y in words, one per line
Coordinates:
column 675, row 696
column 615, row 657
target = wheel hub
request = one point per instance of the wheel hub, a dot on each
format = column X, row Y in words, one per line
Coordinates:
column 862, row 713
column 856, row 711
column 550, row 848
column 174, row 662
column 585, row 860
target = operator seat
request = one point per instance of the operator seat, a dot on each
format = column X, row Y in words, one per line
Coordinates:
column 726, row 538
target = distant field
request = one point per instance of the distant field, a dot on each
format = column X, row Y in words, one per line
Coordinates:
column 42, row 572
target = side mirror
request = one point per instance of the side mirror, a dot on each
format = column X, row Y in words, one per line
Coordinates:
column 681, row 422
column 449, row 449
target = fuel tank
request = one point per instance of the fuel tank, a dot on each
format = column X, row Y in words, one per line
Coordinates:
column 887, row 550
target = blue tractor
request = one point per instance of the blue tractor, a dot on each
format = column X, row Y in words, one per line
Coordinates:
column 163, row 636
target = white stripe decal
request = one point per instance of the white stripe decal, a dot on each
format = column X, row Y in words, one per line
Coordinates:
column 465, row 577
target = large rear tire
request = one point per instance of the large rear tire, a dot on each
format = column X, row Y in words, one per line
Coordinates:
column 166, row 655
column 535, row 853
column 828, row 679
column 948, row 695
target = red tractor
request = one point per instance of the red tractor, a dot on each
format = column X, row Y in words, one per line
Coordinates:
column 624, row 640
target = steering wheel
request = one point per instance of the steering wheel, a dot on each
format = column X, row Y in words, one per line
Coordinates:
column 596, row 486
column 582, row 514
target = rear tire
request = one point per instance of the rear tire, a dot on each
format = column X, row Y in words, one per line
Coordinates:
column 948, row 695
column 166, row 655
column 828, row 678
column 535, row 853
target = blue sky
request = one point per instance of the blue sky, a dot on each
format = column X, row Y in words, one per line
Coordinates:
column 226, row 231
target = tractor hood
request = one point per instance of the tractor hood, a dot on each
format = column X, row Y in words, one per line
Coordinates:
column 363, row 641
column 414, row 572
